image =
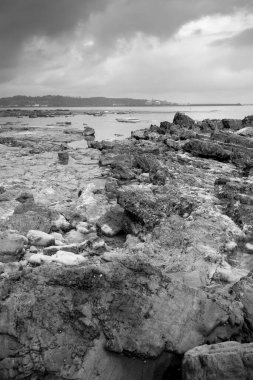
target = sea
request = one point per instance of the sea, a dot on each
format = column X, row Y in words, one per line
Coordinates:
column 108, row 128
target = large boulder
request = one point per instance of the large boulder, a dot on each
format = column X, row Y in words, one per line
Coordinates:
column 167, row 127
column 11, row 246
column 223, row 361
column 233, row 124
column 183, row 120
column 248, row 121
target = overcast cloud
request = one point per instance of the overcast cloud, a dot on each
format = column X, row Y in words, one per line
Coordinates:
column 179, row 50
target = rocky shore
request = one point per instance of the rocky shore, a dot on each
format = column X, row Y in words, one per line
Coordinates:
column 128, row 259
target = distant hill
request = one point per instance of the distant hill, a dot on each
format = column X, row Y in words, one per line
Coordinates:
column 68, row 101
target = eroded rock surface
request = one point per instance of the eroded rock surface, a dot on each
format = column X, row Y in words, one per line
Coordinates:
column 143, row 251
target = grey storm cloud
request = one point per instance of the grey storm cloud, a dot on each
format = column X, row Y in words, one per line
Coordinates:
column 23, row 19
column 93, row 28
column 158, row 18
column 106, row 20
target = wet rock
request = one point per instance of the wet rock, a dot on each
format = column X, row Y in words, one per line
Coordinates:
column 63, row 157
column 232, row 124
column 107, row 159
column 226, row 361
column 88, row 131
column 122, row 171
column 112, row 222
column 143, row 206
column 172, row 144
column 183, row 120
column 207, row 149
column 40, row 238
column 209, row 126
column 146, row 162
column 158, row 175
column 100, row 145
column 111, row 187
column 141, row 134
column 168, row 128
column 11, row 246
column 248, row 121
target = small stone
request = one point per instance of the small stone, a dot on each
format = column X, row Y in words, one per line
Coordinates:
column 61, row 223
column 57, row 236
column 231, row 246
column 33, row 249
column 98, row 244
column 40, row 238
column 83, row 230
column 68, row 258
column 59, row 242
column 111, row 223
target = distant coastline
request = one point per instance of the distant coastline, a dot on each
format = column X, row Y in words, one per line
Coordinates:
column 67, row 101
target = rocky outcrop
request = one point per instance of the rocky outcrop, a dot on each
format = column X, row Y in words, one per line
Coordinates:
column 226, row 361
column 232, row 124
column 142, row 254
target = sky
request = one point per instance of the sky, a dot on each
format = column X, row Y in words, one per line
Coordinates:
column 175, row 50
